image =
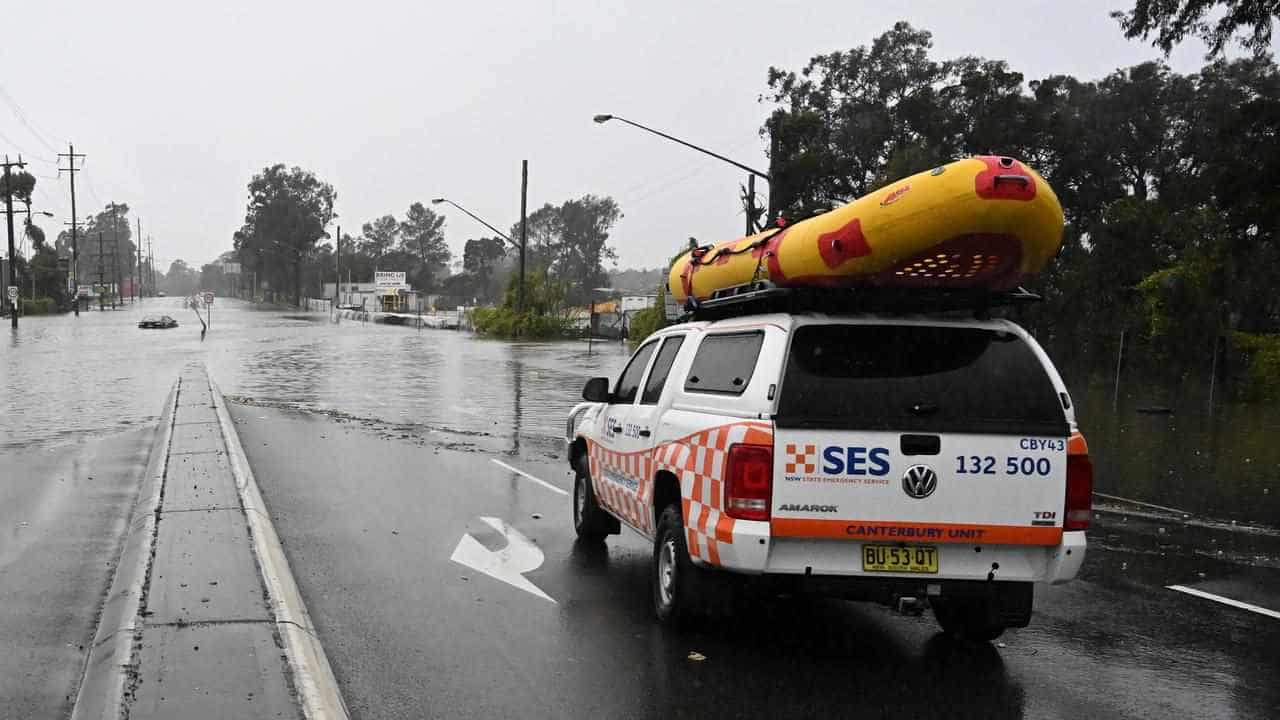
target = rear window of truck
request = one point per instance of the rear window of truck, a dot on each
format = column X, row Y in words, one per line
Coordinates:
column 917, row 378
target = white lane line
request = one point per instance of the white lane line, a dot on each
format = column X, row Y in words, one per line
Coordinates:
column 1226, row 601
column 522, row 473
column 1139, row 502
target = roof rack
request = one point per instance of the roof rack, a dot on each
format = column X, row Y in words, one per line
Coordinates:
column 765, row 297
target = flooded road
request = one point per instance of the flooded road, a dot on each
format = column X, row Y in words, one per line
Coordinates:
column 62, row 377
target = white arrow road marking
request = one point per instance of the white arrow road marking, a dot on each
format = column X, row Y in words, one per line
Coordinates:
column 508, row 564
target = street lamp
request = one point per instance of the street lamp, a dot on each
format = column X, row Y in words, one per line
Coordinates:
column 496, row 231
column 752, row 173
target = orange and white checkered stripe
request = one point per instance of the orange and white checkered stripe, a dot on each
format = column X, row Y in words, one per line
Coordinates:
column 698, row 462
column 635, row 466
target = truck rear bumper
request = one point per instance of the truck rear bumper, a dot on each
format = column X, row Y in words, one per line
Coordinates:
column 956, row 561
column 1010, row 602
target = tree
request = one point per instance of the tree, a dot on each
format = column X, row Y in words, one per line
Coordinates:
column 181, row 280
column 848, row 121
column 481, row 261
column 20, row 185
column 569, row 242
column 422, row 235
column 544, row 228
column 1168, row 181
column 286, row 216
column 1173, row 21
column 583, row 250
column 481, row 256
column 35, row 232
column 379, row 237
column 111, row 223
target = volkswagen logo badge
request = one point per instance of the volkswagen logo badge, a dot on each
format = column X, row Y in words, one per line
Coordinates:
column 919, row 481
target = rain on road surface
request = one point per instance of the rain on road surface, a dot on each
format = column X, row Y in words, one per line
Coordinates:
column 375, row 448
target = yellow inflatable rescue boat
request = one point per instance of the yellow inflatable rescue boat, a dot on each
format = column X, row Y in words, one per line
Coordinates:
column 980, row 223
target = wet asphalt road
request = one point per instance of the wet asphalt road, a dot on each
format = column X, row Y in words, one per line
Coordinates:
column 370, row 520
column 374, row 447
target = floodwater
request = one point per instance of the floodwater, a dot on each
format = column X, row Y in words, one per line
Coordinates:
column 1176, row 454
column 64, row 376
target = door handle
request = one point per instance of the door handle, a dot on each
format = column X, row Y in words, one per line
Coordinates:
column 645, row 433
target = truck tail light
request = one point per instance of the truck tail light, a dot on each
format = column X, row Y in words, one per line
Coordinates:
column 1079, row 505
column 748, row 487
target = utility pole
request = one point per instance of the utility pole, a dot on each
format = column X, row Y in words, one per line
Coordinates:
column 751, row 205
column 115, row 260
column 138, row 247
column 115, row 265
column 151, row 267
column 524, row 224
column 71, row 156
column 8, row 209
column 337, row 266
column 101, row 285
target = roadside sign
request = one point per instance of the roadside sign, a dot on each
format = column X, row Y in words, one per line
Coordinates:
column 13, row 293
column 389, row 280
column 208, row 298
column 636, row 303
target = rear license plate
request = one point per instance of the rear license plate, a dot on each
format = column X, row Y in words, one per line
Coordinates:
column 900, row 558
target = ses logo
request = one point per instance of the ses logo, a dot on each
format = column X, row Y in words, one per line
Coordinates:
column 853, row 465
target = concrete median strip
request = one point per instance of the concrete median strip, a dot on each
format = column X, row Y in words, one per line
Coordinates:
column 312, row 675
column 203, row 618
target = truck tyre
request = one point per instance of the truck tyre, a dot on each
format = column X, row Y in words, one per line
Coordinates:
column 967, row 620
column 677, row 582
column 590, row 521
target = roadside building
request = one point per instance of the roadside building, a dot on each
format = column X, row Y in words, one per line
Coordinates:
column 373, row 297
column 611, row 317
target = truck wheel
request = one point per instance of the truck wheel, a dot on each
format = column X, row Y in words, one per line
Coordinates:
column 676, row 580
column 969, row 620
column 590, row 521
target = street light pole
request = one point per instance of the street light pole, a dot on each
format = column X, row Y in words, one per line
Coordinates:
column 523, row 226
column 8, row 208
column 496, row 231
column 752, row 173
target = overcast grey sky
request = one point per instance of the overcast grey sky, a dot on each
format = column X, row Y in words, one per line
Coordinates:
column 177, row 104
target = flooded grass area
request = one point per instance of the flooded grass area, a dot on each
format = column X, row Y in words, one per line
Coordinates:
column 1161, row 445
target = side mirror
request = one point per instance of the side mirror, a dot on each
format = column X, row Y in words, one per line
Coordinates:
column 596, row 390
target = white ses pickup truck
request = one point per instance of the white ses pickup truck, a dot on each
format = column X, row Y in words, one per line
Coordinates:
column 906, row 460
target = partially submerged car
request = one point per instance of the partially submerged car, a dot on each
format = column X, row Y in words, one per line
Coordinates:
column 158, row 322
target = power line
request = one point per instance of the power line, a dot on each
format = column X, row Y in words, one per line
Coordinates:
column 88, row 184
column 22, row 116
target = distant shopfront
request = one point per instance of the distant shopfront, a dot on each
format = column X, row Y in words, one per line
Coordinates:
column 387, row 293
